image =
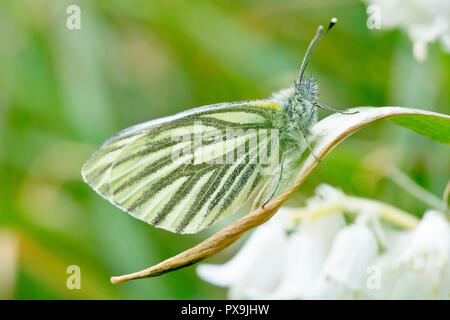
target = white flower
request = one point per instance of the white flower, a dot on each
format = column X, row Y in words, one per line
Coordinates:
column 425, row 21
column 256, row 270
column 324, row 194
column 323, row 257
column 418, row 268
column 344, row 272
column 306, row 251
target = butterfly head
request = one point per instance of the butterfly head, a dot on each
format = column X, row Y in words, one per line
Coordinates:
column 299, row 101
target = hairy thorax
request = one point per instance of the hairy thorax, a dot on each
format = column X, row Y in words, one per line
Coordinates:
column 299, row 111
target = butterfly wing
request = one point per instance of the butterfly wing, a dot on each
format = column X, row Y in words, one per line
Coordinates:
column 159, row 173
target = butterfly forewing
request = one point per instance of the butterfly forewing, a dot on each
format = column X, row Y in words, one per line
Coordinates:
column 184, row 173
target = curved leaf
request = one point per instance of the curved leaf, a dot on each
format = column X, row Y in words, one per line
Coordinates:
column 327, row 133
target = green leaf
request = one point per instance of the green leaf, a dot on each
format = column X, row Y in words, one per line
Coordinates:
column 434, row 127
column 333, row 129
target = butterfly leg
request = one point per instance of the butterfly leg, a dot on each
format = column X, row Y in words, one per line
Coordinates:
column 279, row 179
column 325, row 107
column 309, row 145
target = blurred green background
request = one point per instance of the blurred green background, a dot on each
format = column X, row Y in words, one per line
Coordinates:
column 63, row 92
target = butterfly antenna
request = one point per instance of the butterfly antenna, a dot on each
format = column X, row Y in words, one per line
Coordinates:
column 313, row 45
column 302, row 67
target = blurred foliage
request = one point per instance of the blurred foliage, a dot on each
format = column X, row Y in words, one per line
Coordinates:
column 63, row 92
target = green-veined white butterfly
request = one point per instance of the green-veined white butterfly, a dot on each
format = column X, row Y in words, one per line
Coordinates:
column 161, row 171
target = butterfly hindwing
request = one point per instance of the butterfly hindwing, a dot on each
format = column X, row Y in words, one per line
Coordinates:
column 183, row 173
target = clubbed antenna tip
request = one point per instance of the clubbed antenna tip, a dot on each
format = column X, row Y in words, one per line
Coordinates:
column 312, row 46
column 333, row 21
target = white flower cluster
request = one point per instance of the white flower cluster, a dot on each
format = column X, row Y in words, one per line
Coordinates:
column 425, row 21
column 327, row 257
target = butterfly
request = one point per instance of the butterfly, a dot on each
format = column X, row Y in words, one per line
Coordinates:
column 185, row 172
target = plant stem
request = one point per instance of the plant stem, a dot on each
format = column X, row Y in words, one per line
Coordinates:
column 446, row 198
column 356, row 205
column 409, row 185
